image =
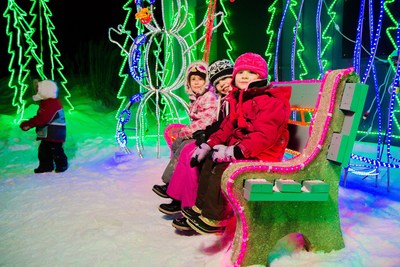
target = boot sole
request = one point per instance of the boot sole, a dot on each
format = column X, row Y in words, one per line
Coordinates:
column 160, row 194
column 202, row 231
column 182, row 227
column 38, row 172
column 168, row 212
column 190, row 215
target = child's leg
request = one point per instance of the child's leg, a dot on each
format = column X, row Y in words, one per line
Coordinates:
column 184, row 180
column 204, row 181
column 169, row 170
column 45, row 158
column 59, row 157
column 214, row 205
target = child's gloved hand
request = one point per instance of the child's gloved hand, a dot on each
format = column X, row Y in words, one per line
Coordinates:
column 223, row 153
column 199, row 154
column 24, row 126
column 200, row 137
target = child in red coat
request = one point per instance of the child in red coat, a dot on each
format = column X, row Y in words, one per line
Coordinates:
column 50, row 128
column 255, row 129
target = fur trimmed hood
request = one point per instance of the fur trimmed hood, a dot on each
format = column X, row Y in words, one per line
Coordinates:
column 46, row 89
column 198, row 67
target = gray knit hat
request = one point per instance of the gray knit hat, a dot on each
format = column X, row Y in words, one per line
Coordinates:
column 220, row 69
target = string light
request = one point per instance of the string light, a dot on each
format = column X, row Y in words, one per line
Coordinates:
column 278, row 41
column 272, row 9
column 158, row 77
column 373, row 40
column 227, row 32
column 326, row 35
column 357, row 46
column 375, row 164
column 21, row 33
column 318, row 24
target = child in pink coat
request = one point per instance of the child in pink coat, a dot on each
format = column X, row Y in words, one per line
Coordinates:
column 202, row 113
column 184, row 181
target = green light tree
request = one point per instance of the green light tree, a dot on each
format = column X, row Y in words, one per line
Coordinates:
column 32, row 46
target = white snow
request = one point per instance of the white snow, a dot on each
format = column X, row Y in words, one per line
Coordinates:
column 102, row 211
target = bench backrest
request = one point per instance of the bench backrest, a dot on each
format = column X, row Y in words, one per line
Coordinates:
column 264, row 215
column 302, row 102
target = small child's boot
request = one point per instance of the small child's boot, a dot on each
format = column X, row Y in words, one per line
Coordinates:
column 41, row 169
column 61, row 161
column 62, row 168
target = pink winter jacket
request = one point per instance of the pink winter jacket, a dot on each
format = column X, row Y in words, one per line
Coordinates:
column 202, row 112
column 257, row 123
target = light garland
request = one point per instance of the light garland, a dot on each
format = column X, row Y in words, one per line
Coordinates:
column 272, row 9
column 318, row 25
column 124, row 117
column 297, row 46
column 278, row 41
column 375, row 164
column 296, row 39
column 158, row 80
column 209, row 28
column 326, row 36
column 227, row 32
column 358, row 44
column 21, row 34
column 374, row 41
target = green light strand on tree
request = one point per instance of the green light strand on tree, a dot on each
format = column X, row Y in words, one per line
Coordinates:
column 22, row 48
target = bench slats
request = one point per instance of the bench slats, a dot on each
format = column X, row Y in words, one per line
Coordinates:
column 285, row 190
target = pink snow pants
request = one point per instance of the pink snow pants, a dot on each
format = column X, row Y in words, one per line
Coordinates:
column 185, row 179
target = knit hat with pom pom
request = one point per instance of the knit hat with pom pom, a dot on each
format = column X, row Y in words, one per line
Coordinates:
column 252, row 62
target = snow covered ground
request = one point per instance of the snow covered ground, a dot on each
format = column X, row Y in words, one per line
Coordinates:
column 102, row 211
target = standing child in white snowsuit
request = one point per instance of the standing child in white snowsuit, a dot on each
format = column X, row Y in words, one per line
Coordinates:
column 50, row 128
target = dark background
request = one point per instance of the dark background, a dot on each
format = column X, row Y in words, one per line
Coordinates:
column 351, row 10
column 76, row 22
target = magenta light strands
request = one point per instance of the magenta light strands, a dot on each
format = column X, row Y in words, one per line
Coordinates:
column 278, row 40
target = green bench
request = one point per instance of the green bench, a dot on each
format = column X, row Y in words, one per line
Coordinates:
column 285, row 190
column 299, row 194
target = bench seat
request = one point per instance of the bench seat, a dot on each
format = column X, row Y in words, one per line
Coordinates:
column 266, row 207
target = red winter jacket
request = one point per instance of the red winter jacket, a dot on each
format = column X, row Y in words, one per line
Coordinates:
column 49, row 121
column 257, row 123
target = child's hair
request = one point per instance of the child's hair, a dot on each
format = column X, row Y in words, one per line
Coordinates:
column 196, row 68
column 252, row 62
column 219, row 70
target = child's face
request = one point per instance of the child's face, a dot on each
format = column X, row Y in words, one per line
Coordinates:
column 196, row 83
column 244, row 77
column 223, row 86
